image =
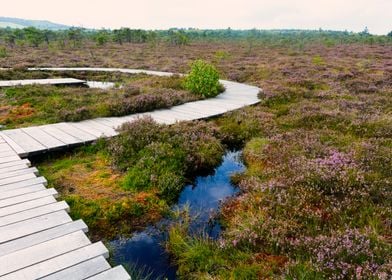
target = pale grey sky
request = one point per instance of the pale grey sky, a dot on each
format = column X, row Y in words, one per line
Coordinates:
column 352, row 15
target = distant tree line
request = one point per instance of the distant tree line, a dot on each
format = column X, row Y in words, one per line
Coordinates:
column 76, row 37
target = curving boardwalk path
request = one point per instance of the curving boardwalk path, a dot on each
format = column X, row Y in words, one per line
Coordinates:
column 40, row 139
column 38, row 239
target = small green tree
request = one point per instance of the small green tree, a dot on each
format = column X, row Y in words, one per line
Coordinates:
column 178, row 38
column 75, row 36
column 203, row 79
column 10, row 39
column 34, row 36
column 102, row 37
column 3, row 52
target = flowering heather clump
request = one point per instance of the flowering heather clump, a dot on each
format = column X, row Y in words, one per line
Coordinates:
column 240, row 126
column 148, row 102
column 349, row 254
column 336, row 174
column 162, row 157
column 133, row 137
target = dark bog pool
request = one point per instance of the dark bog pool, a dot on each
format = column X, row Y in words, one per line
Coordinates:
column 144, row 248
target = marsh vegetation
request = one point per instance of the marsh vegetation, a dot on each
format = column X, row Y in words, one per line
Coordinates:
column 315, row 201
column 23, row 106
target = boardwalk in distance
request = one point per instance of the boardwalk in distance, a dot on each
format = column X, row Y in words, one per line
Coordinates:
column 64, row 81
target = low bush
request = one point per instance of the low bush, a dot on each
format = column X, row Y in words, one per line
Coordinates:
column 3, row 52
column 159, row 165
column 349, row 254
column 203, row 79
column 129, row 104
column 238, row 127
column 163, row 157
column 134, row 136
column 78, row 114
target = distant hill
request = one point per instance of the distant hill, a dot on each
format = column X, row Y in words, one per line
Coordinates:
column 22, row 23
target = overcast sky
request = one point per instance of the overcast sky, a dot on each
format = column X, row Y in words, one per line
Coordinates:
column 352, row 15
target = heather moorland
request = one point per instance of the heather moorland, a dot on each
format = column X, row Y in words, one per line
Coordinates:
column 315, row 199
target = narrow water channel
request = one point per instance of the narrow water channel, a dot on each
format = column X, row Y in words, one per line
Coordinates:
column 203, row 198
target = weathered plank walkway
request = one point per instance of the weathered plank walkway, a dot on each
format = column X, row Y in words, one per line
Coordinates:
column 64, row 81
column 38, row 239
column 39, row 139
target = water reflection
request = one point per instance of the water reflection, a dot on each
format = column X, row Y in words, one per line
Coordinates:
column 203, row 198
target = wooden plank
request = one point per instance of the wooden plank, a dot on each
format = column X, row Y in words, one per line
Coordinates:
column 17, row 178
column 112, row 122
column 22, row 139
column 81, row 271
column 9, row 159
column 21, row 229
column 200, row 108
column 27, row 197
column 162, row 116
column 31, row 204
column 32, row 213
column 59, row 263
column 4, row 171
column 130, row 118
column 196, row 113
column 18, row 149
column 27, row 170
column 116, row 273
column 239, row 101
column 13, row 163
column 109, row 130
column 23, row 184
column 59, row 134
column 75, row 132
column 21, row 191
column 4, row 147
column 42, row 137
column 221, row 104
column 8, row 153
column 87, row 129
column 42, row 236
column 184, row 116
column 43, row 251
column 62, row 81
column 104, row 130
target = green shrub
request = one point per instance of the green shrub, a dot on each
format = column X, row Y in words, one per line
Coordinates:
column 238, row 127
column 134, row 136
column 162, row 157
column 3, row 52
column 318, row 60
column 160, row 166
column 203, row 79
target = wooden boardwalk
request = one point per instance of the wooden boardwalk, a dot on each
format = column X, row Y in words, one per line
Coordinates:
column 40, row 139
column 64, row 81
column 38, row 239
